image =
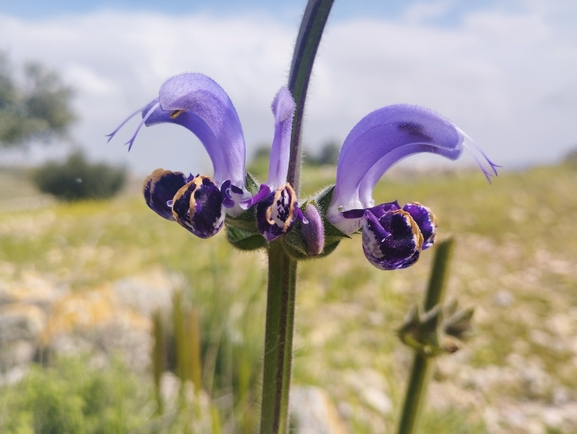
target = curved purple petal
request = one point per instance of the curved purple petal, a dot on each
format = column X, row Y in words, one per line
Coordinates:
column 199, row 104
column 473, row 148
column 378, row 141
column 283, row 108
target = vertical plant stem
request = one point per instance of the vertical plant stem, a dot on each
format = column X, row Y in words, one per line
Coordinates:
column 439, row 274
column 278, row 340
column 422, row 365
column 282, row 270
column 308, row 40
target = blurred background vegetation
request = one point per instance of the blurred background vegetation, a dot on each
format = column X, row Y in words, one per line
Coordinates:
column 76, row 178
column 35, row 108
column 34, row 105
column 85, row 280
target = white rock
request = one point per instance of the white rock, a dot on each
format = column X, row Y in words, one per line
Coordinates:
column 312, row 412
column 148, row 292
column 20, row 321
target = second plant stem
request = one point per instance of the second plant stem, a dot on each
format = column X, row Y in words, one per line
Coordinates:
column 422, row 364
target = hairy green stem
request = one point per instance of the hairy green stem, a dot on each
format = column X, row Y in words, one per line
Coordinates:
column 278, row 340
column 422, row 365
column 439, row 274
column 282, row 270
column 308, row 40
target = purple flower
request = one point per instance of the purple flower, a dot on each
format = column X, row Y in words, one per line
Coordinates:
column 276, row 203
column 201, row 203
column 198, row 203
column 393, row 237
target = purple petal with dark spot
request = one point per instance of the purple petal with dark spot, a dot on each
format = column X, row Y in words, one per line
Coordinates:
column 392, row 241
column 276, row 213
column 380, row 210
column 159, row 188
column 198, row 207
column 426, row 221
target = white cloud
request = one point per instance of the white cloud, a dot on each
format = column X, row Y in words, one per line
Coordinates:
column 506, row 77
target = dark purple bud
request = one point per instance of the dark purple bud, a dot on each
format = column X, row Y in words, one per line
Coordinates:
column 391, row 241
column 159, row 190
column 277, row 212
column 198, row 207
column 313, row 230
column 426, row 221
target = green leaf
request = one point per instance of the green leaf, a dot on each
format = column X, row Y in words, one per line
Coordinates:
column 245, row 221
column 245, row 240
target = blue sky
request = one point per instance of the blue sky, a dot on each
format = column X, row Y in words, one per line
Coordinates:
column 40, row 8
column 503, row 71
column 342, row 10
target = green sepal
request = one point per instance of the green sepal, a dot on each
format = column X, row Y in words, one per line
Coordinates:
column 420, row 331
column 459, row 322
column 333, row 235
column 296, row 247
column 245, row 240
column 252, row 184
column 295, row 244
column 441, row 330
column 242, row 231
column 245, row 221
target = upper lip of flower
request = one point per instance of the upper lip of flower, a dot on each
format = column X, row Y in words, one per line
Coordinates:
column 283, row 108
column 277, row 206
column 381, row 139
column 199, row 104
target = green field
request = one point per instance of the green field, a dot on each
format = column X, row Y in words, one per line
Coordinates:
column 515, row 261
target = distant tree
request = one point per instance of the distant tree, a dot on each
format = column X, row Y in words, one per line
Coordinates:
column 571, row 157
column 262, row 151
column 329, row 155
column 38, row 108
column 77, row 179
column 258, row 164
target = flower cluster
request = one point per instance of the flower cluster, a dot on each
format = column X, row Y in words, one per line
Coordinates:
column 392, row 236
